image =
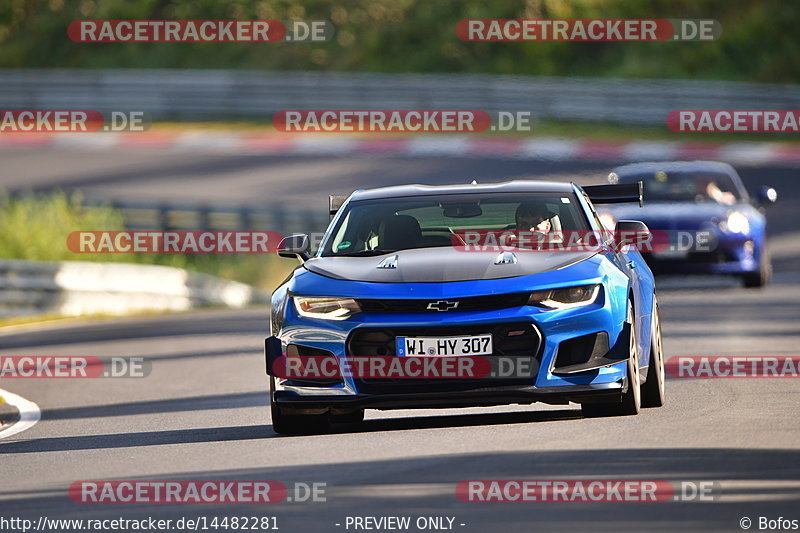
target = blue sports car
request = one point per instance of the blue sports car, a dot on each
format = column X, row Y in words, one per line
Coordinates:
column 396, row 277
column 703, row 209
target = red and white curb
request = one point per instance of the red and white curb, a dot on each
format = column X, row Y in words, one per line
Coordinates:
column 528, row 148
column 29, row 414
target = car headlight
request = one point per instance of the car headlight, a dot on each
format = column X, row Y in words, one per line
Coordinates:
column 737, row 223
column 565, row 298
column 326, row 308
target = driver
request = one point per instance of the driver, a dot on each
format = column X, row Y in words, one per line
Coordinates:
column 533, row 216
column 714, row 192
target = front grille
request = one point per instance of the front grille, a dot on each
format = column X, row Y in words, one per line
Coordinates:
column 519, row 338
column 508, row 339
column 579, row 350
column 300, row 350
column 471, row 303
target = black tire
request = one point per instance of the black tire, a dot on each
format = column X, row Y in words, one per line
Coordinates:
column 294, row 424
column 631, row 401
column 762, row 277
column 654, row 389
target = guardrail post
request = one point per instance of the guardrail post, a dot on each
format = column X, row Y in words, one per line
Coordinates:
column 204, row 218
column 278, row 219
column 163, row 218
column 245, row 219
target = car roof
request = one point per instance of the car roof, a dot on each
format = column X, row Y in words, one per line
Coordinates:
column 515, row 186
column 675, row 166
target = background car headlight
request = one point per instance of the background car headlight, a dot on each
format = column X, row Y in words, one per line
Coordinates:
column 737, row 223
column 326, row 308
column 565, row 298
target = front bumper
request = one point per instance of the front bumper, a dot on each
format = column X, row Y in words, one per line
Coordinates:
column 547, row 384
column 317, row 402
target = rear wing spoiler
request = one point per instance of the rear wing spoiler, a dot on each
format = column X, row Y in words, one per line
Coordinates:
column 335, row 201
column 615, row 194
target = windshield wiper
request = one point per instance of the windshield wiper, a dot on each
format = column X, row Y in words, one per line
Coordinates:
column 366, row 253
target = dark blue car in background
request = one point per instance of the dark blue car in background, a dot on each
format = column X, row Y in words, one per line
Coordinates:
column 713, row 225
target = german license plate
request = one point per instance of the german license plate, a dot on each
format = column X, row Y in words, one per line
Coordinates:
column 444, row 346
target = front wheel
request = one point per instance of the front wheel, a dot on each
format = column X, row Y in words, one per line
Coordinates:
column 631, row 400
column 654, row 389
column 761, row 277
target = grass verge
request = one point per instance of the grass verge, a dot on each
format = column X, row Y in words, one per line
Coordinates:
column 36, row 227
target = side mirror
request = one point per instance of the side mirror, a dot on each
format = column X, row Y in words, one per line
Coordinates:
column 767, row 195
column 631, row 232
column 295, row 246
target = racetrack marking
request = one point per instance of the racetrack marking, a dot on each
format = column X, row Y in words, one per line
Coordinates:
column 29, row 414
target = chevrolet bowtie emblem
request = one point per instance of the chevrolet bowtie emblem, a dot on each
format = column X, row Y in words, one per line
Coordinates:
column 442, row 305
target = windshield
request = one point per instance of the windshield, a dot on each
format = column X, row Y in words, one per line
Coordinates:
column 373, row 227
column 686, row 186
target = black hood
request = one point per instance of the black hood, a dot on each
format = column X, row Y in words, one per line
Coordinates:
column 441, row 265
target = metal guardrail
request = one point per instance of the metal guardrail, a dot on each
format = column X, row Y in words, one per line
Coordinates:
column 229, row 94
column 176, row 217
column 76, row 288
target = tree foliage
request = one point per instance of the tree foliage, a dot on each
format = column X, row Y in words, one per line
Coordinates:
column 760, row 41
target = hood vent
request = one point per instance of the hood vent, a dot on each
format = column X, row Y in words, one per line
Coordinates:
column 505, row 258
column 390, row 262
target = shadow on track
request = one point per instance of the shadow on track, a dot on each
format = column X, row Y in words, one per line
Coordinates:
column 222, row 434
column 454, row 421
column 135, row 440
column 202, row 323
column 191, row 403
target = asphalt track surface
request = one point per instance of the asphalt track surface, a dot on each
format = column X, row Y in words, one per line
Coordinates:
column 202, row 413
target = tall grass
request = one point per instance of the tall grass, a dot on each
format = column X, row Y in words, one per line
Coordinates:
column 35, row 227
